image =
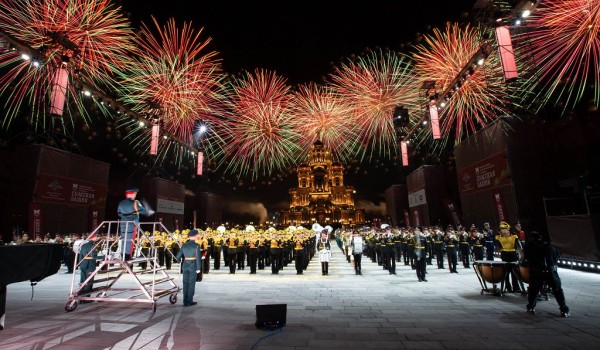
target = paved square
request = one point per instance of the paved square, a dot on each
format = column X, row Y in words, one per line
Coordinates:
column 339, row 311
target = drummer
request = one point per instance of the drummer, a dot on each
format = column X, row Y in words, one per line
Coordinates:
column 508, row 253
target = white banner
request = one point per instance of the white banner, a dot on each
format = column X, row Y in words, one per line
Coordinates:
column 169, row 207
column 417, row 198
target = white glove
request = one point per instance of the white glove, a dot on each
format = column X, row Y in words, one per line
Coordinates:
column 197, row 271
column 150, row 212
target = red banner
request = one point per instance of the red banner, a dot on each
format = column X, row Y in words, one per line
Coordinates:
column 406, row 218
column 486, row 174
column 499, row 206
column 416, row 217
column 56, row 189
column 35, row 219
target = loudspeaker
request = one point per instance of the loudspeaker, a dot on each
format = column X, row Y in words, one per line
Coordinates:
column 401, row 116
column 271, row 316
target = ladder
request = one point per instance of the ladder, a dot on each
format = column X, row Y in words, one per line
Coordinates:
column 115, row 278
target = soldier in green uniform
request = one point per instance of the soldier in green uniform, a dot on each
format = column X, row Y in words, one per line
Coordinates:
column 88, row 263
column 191, row 266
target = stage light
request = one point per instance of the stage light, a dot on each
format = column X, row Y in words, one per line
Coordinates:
column 203, row 129
column 480, row 61
column 36, row 64
column 424, row 122
column 141, row 124
column 26, row 57
column 585, row 265
column 87, row 93
column 443, row 104
column 525, row 13
column 165, row 137
column 518, row 22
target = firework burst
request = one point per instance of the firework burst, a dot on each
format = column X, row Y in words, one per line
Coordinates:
column 482, row 97
column 174, row 79
column 563, row 39
column 321, row 115
column 261, row 137
column 83, row 39
column 373, row 85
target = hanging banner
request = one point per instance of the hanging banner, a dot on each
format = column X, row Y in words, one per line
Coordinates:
column 169, row 207
column 417, row 198
column 486, row 174
column 499, row 206
column 35, row 219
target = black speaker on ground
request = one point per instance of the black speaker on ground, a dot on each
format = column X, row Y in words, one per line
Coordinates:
column 271, row 316
column 401, row 116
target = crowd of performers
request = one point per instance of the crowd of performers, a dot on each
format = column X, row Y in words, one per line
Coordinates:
column 417, row 247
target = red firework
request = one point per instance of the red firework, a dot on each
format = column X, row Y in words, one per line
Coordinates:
column 261, row 137
column 373, row 85
column 321, row 115
column 174, row 78
column 482, row 96
column 563, row 37
column 70, row 40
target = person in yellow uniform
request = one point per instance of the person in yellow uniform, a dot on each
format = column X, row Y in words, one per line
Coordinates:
column 509, row 244
column 231, row 252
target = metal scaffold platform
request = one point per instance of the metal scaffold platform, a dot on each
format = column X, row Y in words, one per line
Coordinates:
column 116, row 279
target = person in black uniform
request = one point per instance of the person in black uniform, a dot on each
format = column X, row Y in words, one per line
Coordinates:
column 439, row 247
column 451, row 242
column 420, row 255
column 216, row 252
column 465, row 247
column 490, row 241
column 275, row 251
column 390, row 256
column 542, row 260
column 191, row 266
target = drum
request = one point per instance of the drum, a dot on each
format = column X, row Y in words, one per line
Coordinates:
column 491, row 271
column 524, row 273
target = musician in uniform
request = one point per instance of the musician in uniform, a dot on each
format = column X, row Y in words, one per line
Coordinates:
column 390, row 256
column 275, row 251
column 231, row 253
column 465, row 247
column 477, row 241
column 451, row 242
column 145, row 251
column 490, row 241
column 420, row 255
column 508, row 252
column 216, row 252
column 191, row 266
column 129, row 209
column 357, row 247
column 439, row 249
column 324, row 252
column 299, row 249
column 252, row 254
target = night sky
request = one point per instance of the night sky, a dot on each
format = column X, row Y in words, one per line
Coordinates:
column 303, row 41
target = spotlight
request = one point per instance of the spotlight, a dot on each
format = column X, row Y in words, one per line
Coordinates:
column 525, row 13
column 141, row 124
column 518, row 22
column 203, row 129
column 165, row 137
column 443, row 104
column 424, row 122
column 36, row 64
column 87, row 93
column 26, row 57
column 480, row 61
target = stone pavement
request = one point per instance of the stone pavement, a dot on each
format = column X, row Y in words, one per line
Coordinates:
column 339, row 311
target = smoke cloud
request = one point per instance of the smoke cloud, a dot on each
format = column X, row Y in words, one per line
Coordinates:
column 256, row 209
column 374, row 209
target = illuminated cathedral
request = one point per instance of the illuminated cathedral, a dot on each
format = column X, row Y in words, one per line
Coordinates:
column 321, row 196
